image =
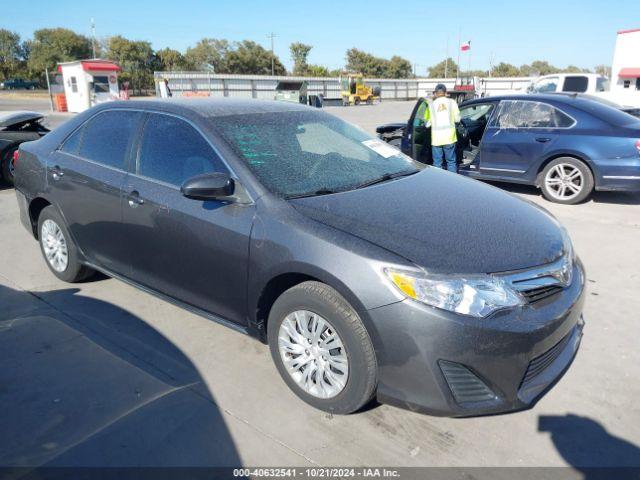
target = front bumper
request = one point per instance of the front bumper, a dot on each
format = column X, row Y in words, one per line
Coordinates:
column 517, row 354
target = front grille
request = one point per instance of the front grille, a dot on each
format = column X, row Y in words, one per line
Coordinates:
column 536, row 294
column 540, row 363
column 464, row 384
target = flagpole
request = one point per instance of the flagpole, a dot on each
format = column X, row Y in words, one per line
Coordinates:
column 446, row 60
column 459, row 48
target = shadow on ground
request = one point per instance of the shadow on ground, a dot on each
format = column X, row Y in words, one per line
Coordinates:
column 85, row 383
column 621, row 198
column 587, row 446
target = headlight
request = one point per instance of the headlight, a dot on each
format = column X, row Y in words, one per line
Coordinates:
column 474, row 295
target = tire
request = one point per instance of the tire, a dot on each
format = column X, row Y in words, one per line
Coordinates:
column 370, row 101
column 566, row 180
column 356, row 101
column 357, row 382
column 73, row 271
column 7, row 169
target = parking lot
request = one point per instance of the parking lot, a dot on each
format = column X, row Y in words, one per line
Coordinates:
column 100, row 373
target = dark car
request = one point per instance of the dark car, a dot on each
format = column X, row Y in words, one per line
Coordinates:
column 15, row 128
column 18, row 84
column 366, row 272
column 567, row 145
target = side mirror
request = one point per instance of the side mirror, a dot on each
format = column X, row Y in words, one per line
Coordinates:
column 208, row 186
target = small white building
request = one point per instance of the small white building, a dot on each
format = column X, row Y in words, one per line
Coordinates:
column 625, row 70
column 89, row 82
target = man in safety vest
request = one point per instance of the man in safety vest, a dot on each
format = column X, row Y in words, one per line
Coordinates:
column 442, row 115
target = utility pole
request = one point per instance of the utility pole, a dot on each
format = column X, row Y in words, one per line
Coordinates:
column 272, row 36
column 446, row 60
column 93, row 37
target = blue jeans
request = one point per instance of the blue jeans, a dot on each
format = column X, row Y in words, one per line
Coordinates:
column 449, row 154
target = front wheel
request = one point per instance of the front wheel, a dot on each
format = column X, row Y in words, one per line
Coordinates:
column 566, row 180
column 58, row 249
column 322, row 349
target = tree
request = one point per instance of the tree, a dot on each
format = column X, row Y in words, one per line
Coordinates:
column 365, row 63
column 603, row 70
column 53, row 45
column 136, row 58
column 209, row 51
column 505, row 70
column 542, row 67
column 438, row 70
column 399, row 67
column 169, row 59
column 11, row 53
column 299, row 54
column 247, row 57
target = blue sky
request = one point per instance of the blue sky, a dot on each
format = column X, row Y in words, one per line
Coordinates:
column 563, row 32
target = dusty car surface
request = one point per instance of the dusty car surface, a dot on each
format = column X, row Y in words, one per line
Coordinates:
column 15, row 128
column 368, row 274
column 567, row 145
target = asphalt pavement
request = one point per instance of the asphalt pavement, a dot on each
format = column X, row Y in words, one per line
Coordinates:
column 100, row 373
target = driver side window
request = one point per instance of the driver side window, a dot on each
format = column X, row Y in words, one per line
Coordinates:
column 546, row 85
column 418, row 120
column 172, row 151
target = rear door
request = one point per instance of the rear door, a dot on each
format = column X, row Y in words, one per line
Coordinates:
column 85, row 177
column 192, row 250
column 520, row 132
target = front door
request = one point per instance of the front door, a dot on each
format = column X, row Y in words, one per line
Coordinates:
column 519, row 133
column 417, row 137
column 85, row 176
column 192, row 250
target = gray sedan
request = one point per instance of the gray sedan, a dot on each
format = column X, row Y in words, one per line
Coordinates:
column 368, row 274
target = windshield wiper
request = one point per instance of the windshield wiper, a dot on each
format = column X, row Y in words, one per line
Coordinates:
column 321, row 191
column 386, row 177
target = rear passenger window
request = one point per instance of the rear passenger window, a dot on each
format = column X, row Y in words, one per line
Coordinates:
column 575, row 84
column 72, row 143
column 108, row 136
column 528, row 114
column 172, row 151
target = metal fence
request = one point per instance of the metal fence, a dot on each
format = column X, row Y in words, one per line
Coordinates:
column 263, row 87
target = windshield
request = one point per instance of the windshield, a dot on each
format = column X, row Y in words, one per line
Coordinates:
column 310, row 153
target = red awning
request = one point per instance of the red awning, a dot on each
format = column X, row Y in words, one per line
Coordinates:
column 102, row 66
column 97, row 65
column 629, row 73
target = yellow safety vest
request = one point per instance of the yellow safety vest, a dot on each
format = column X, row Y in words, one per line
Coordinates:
column 442, row 115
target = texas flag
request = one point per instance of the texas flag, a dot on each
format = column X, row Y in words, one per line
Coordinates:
column 466, row 46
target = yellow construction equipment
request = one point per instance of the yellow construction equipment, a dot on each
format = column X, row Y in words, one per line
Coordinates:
column 354, row 91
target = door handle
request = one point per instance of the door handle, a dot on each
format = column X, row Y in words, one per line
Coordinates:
column 57, row 173
column 134, row 199
column 542, row 139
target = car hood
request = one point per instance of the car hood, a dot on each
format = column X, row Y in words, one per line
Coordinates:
column 11, row 119
column 443, row 222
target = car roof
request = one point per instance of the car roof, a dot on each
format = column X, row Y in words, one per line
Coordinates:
column 209, row 107
column 8, row 119
column 560, row 97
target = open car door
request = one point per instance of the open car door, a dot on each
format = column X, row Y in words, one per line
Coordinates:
column 417, row 137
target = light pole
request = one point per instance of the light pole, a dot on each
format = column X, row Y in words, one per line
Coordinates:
column 93, row 37
column 272, row 36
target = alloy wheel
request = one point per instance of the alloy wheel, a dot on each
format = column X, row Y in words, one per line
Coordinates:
column 564, row 181
column 54, row 245
column 313, row 354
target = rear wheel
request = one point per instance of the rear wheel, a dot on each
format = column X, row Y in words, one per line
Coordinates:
column 7, row 165
column 58, row 249
column 566, row 180
column 356, row 101
column 321, row 348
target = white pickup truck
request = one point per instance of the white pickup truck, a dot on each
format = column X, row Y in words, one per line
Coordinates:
column 589, row 83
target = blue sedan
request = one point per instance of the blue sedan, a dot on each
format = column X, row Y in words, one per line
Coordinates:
column 567, row 145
